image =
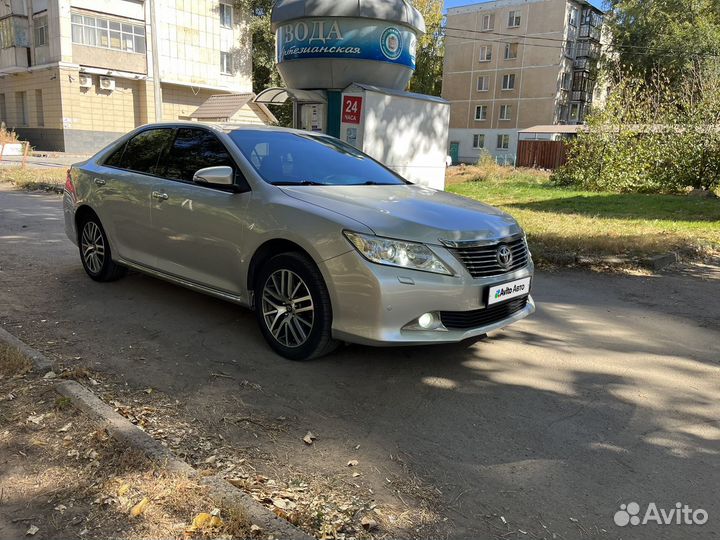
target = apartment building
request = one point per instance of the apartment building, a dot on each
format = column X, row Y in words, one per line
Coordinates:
column 514, row 64
column 76, row 74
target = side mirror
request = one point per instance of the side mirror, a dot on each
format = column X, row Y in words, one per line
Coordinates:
column 215, row 176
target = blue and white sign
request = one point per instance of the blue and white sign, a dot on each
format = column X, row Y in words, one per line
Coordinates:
column 362, row 39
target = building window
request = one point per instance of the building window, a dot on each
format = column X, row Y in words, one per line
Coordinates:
column 226, row 15
column 505, row 111
column 3, row 110
column 574, row 112
column 478, row 140
column 483, row 84
column 511, row 51
column 488, row 22
column 39, row 110
column 566, row 81
column 226, row 64
column 573, row 16
column 513, row 19
column 481, row 112
column 40, row 31
column 503, row 142
column 21, row 105
column 508, row 81
column 7, row 33
column 109, row 34
column 485, row 53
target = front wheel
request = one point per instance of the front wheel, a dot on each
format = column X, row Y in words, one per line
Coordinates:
column 293, row 309
column 95, row 252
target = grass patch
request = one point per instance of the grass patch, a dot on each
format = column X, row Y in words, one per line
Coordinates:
column 563, row 221
column 13, row 362
column 49, row 179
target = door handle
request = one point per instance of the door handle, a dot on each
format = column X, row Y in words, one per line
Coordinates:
column 160, row 196
column 100, row 182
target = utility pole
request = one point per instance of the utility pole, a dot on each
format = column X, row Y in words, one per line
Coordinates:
column 155, row 61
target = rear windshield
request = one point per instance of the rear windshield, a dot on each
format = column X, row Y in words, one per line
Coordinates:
column 285, row 158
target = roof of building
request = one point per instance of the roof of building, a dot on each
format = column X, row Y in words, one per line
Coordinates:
column 398, row 11
column 555, row 128
column 225, row 106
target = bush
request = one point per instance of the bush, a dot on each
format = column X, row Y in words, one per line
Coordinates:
column 7, row 137
column 649, row 140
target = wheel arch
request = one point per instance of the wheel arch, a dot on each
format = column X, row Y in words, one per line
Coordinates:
column 265, row 252
column 81, row 214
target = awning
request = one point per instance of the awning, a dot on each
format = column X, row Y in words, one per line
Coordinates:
column 278, row 96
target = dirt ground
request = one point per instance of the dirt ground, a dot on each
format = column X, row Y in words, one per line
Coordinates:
column 63, row 477
column 607, row 394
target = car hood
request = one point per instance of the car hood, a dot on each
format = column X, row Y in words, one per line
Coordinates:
column 411, row 212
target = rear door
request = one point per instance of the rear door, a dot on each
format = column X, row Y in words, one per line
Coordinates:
column 201, row 227
column 125, row 183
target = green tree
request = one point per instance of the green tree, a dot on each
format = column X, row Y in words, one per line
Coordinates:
column 264, row 72
column 666, row 37
column 430, row 50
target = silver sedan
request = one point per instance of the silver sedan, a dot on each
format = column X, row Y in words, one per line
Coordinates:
column 324, row 243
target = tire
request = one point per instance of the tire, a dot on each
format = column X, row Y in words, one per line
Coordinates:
column 293, row 309
column 95, row 251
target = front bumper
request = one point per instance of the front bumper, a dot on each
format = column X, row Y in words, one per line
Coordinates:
column 373, row 303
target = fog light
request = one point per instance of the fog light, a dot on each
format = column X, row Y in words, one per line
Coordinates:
column 427, row 320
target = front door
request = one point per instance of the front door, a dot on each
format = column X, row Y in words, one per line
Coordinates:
column 455, row 152
column 201, row 228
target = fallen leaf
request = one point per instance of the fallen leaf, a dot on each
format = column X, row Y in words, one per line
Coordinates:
column 368, row 523
column 140, row 507
column 32, row 531
column 122, row 490
column 36, row 419
column 309, row 437
column 352, row 463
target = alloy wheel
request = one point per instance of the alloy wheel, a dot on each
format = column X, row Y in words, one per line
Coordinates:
column 287, row 308
column 93, row 247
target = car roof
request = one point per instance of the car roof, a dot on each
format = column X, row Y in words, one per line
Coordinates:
column 229, row 128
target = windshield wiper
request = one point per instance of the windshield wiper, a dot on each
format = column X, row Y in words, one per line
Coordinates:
column 301, row 183
column 372, row 183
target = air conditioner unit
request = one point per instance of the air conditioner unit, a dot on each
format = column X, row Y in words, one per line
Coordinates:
column 86, row 81
column 106, row 83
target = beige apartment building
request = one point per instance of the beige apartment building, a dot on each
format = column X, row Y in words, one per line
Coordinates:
column 514, row 64
column 76, row 74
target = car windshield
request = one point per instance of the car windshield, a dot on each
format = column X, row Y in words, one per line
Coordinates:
column 284, row 158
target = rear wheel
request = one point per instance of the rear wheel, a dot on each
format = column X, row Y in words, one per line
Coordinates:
column 95, row 251
column 293, row 309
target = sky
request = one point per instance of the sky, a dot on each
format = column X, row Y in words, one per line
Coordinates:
column 454, row 3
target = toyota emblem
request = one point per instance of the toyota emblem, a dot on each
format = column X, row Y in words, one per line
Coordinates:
column 504, row 256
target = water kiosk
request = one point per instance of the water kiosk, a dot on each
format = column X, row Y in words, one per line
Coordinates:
column 346, row 64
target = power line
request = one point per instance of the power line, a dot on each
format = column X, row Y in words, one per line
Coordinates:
column 564, row 42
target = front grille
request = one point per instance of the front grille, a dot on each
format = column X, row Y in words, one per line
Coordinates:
column 481, row 261
column 482, row 317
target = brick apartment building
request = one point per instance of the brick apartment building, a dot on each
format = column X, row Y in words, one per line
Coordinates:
column 513, row 64
column 76, row 74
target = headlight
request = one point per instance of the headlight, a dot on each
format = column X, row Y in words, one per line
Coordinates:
column 397, row 253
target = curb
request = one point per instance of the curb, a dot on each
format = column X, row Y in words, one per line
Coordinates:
column 124, row 431
column 40, row 362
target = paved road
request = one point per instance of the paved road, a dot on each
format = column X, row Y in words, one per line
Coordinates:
column 608, row 395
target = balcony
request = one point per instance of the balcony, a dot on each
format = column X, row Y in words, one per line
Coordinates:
column 14, row 44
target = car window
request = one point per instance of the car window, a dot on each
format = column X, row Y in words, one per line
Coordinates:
column 283, row 157
column 143, row 151
column 195, row 149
